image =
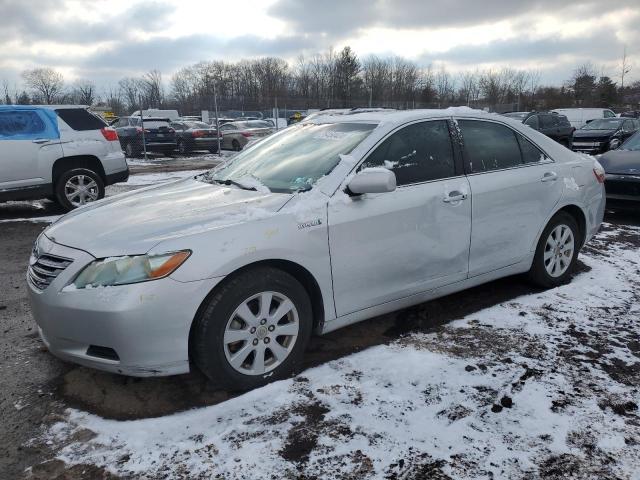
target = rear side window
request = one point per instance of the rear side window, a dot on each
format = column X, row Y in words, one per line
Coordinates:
column 532, row 121
column 563, row 121
column 20, row 123
column 417, row 153
column 489, row 146
column 547, row 121
column 80, row 119
column 530, row 153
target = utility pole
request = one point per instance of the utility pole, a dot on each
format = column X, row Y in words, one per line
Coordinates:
column 215, row 103
column 144, row 143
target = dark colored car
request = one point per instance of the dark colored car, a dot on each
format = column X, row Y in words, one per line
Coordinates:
column 192, row 135
column 550, row 124
column 622, row 167
column 631, row 114
column 158, row 135
column 604, row 134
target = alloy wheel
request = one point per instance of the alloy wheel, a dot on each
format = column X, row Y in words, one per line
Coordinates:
column 261, row 333
column 558, row 251
column 81, row 189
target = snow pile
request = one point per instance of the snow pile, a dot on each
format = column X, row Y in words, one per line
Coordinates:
column 543, row 386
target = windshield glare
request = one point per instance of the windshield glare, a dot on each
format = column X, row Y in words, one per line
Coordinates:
column 296, row 158
column 633, row 143
column 603, row 124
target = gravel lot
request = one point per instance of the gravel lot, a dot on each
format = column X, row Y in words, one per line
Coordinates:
column 501, row 381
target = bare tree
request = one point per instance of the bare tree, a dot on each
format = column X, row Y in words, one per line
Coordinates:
column 625, row 67
column 152, row 88
column 45, row 83
column 130, row 89
column 84, row 92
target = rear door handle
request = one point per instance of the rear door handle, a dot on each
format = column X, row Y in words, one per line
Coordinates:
column 40, row 140
column 454, row 196
column 549, row 177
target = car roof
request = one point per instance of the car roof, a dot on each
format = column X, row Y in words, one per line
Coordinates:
column 401, row 116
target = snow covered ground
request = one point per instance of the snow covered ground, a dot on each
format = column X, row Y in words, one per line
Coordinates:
column 544, row 386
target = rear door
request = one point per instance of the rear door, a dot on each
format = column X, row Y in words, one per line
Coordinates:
column 514, row 187
column 29, row 144
column 392, row 245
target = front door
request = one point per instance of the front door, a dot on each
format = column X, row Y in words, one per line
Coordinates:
column 392, row 245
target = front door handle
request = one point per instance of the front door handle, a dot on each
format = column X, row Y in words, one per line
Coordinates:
column 549, row 177
column 454, row 196
column 40, row 140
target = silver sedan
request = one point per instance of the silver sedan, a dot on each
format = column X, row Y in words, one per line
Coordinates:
column 326, row 223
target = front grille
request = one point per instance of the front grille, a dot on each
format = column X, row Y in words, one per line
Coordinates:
column 46, row 268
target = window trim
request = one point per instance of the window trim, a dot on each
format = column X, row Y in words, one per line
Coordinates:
column 457, row 156
column 467, row 168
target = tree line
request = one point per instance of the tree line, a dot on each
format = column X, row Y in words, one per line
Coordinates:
column 329, row 80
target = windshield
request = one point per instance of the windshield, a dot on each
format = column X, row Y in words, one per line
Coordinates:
column 603, row 124
column 294, row 159
column 633, row 143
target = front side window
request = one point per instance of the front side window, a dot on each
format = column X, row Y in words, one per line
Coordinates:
column 294, row 159
column 417, row 153
column 20, row 123
column 609, row 114
column 489, row 146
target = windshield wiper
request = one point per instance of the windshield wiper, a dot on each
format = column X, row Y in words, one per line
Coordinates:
column 229, row 181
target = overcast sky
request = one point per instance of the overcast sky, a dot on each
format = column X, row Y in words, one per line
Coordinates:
column 105, row 40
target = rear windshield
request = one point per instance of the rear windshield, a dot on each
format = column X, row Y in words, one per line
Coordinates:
column 197, row 125
column 80, row 119
column 156, row 124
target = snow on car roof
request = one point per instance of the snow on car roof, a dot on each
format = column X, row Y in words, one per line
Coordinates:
column 396, row 116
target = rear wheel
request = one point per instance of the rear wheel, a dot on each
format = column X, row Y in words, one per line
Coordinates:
column 254, row 330
column 132, row 150
column 78, row 187
column 557, row 252
column 235, row 144
column 183, row 149
column 213, row 150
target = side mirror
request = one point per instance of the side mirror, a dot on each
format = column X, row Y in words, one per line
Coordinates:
column 373, row 180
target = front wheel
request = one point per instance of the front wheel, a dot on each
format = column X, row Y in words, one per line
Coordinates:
column 78, row 187
column 557, row 252
column 236, row 145
column 253, row 330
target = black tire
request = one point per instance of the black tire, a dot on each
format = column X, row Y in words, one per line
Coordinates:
column 538, row 274
column 208, row 329
column 213, row 150
column 183, row 148
column 132, row 150
column 60, row 193
column 235, row 144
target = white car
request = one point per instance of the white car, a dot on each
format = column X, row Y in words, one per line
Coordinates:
column 62, row 152
column 323, row 224
column 578, row 117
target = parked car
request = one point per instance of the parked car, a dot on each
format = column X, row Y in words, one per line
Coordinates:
column 61, row 152
column 631, row 114
column 552, row 125
column 192, row 135
column 158, row 135
column 321, row 225
column 236, row 135
column 158, row 113
column 579, row 117
column 604, row 134
column 622, row 167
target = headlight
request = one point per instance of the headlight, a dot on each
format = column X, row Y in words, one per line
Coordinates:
column 125, row 270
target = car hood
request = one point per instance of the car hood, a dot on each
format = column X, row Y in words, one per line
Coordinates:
column 621, row 162
column 593, row 133
column 135, row 222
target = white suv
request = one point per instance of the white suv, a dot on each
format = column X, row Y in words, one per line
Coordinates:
column 61, row 152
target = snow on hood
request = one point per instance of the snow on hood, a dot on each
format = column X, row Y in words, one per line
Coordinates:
column 134, row 222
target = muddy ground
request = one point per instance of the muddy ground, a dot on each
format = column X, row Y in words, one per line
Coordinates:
column 36, row 387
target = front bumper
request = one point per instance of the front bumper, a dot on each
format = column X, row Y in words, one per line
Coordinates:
column 146, row 325
column 590, row 146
